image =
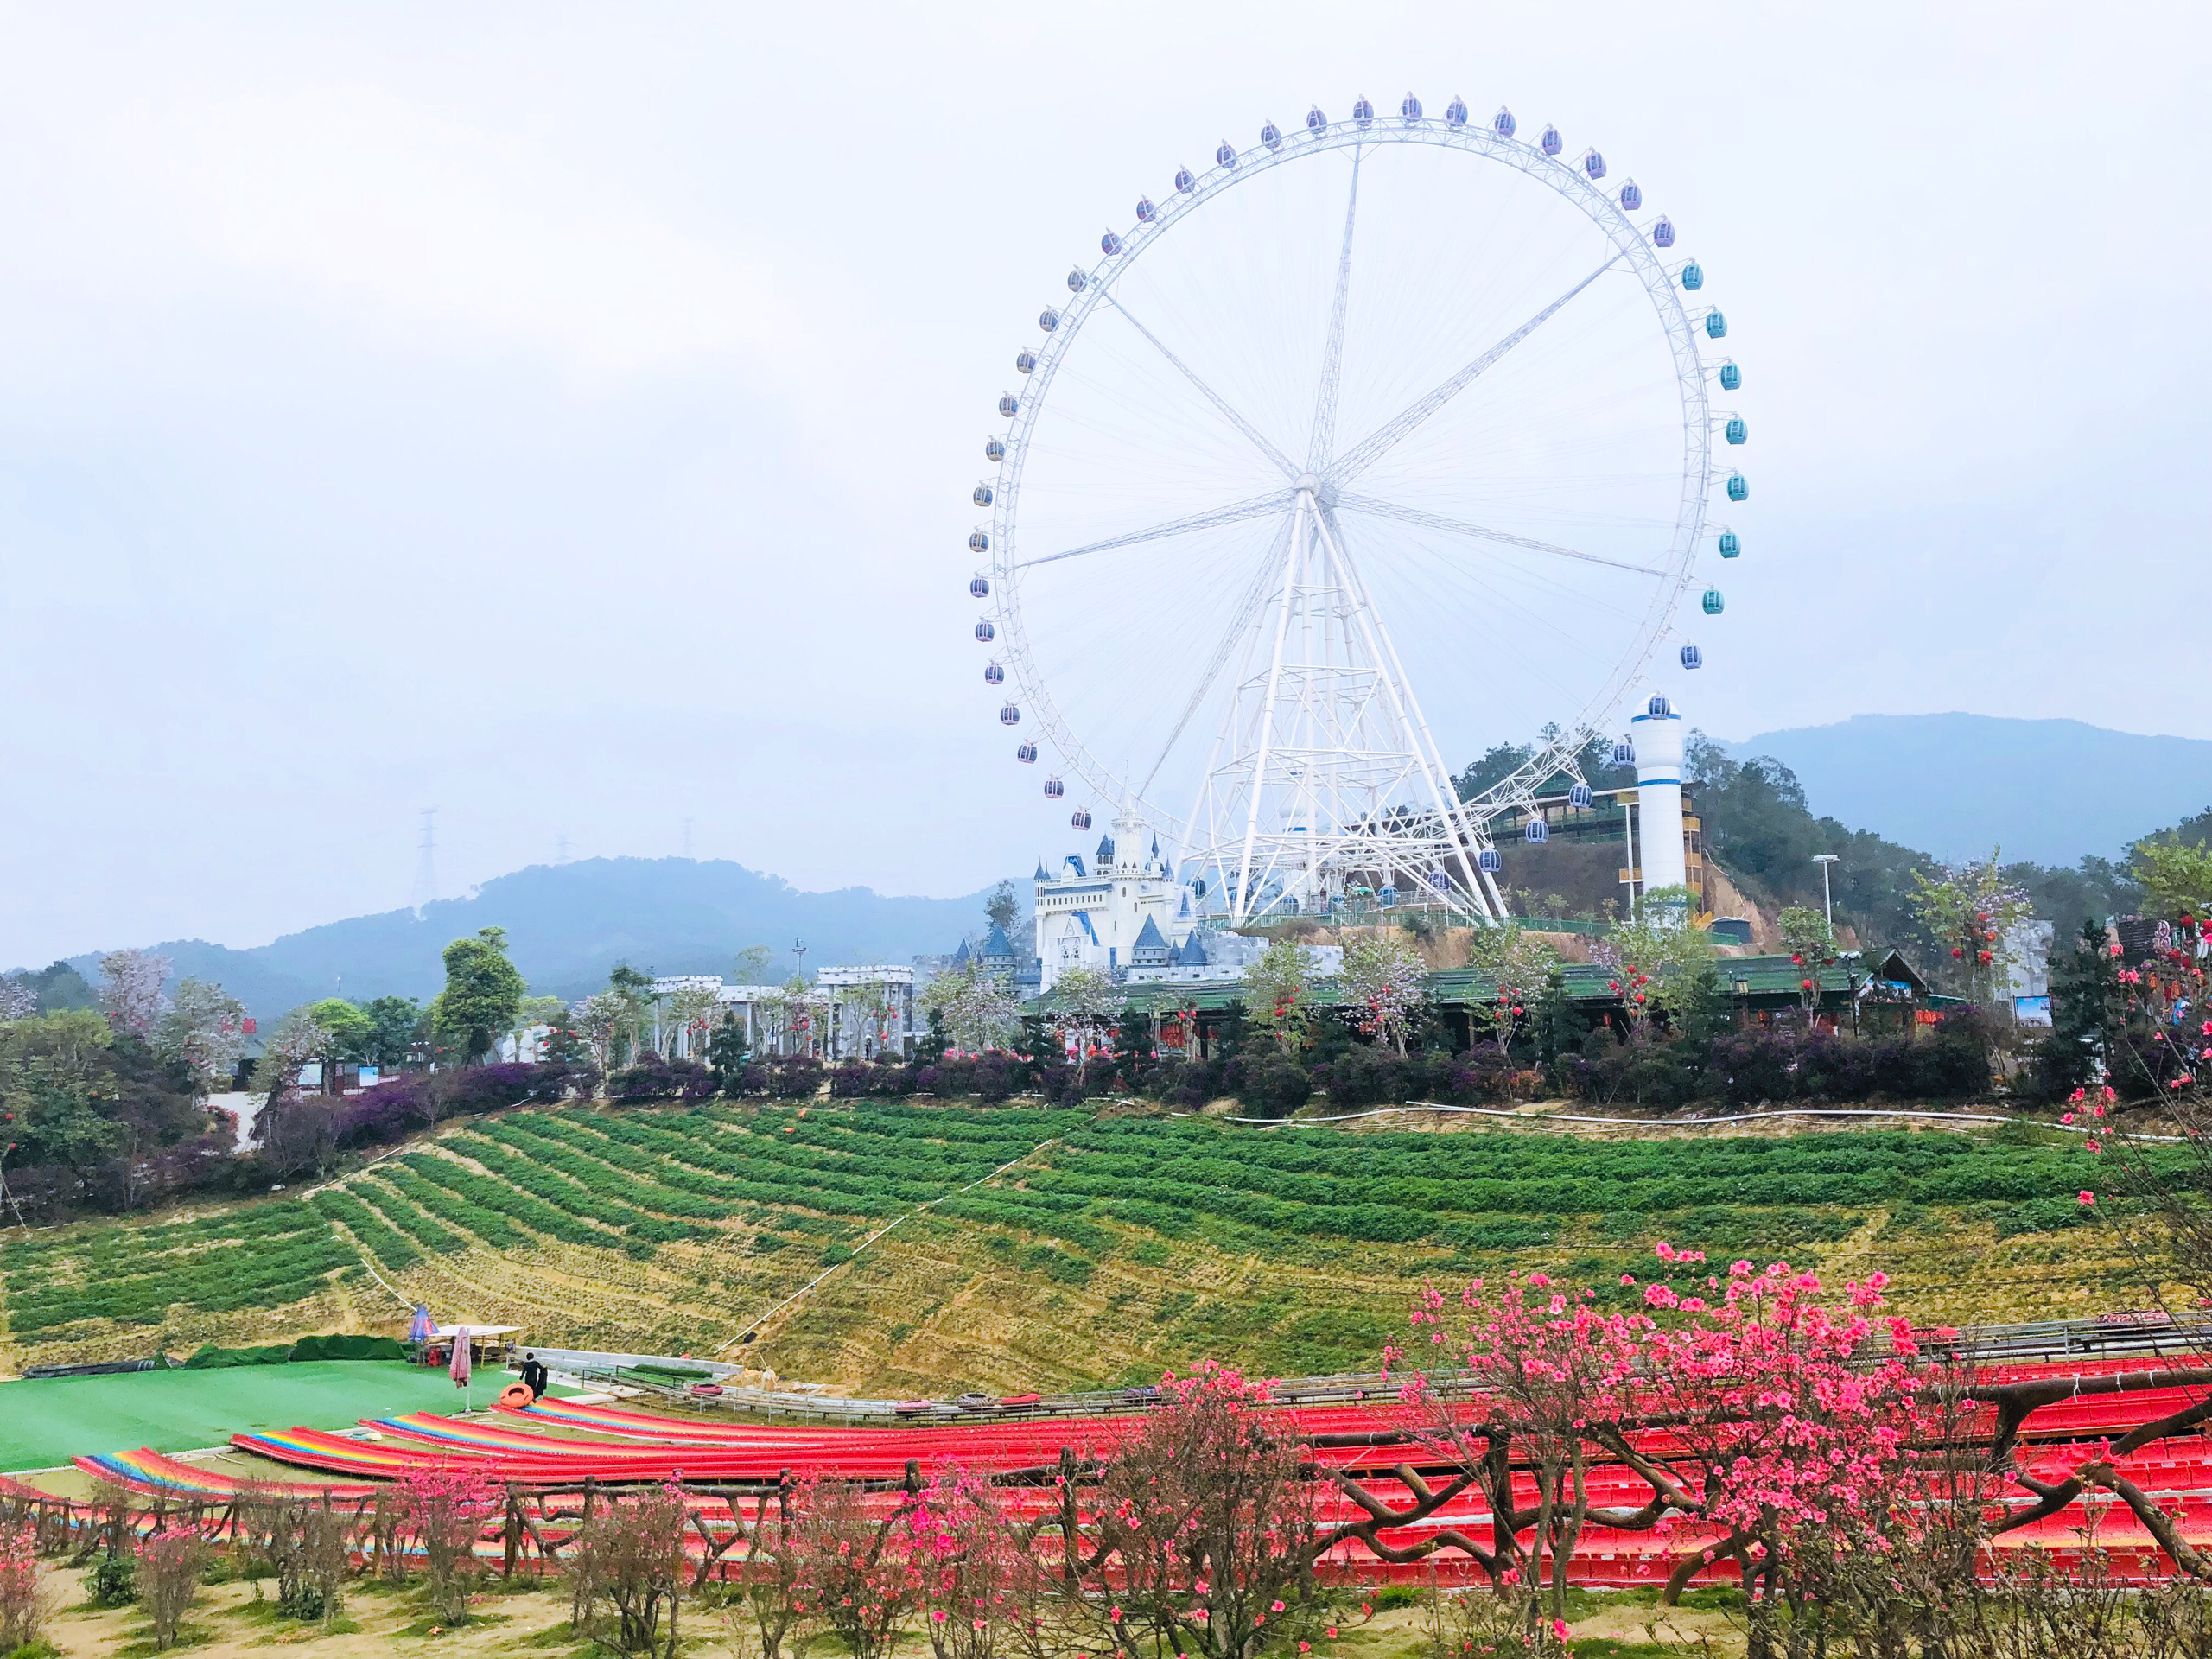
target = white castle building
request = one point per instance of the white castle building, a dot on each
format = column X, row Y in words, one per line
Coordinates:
column 1124, row 912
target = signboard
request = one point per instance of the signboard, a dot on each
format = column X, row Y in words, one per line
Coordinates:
column 2031, row 1011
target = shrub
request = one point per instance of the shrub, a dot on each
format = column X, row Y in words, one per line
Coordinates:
column 631, row 1554
column 169, row 1564
column 113, row 1582
column 23, row 1605
column 654, row 1078
column 1276, row 1087
column 445, row 1508
column 795, row 1077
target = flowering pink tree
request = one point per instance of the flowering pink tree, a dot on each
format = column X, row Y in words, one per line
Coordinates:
column 1521, row 1373
column 1206, row 1529
column 851, row 1574
column 1745, row 1404
column 1787, row 1420
column 983, row 1591
column 22, row 1604
column 446, row 1506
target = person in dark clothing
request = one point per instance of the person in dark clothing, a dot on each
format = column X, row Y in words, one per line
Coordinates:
column 534, row 1375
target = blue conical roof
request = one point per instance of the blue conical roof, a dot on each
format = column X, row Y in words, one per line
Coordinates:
column 998, row 944
column 960, row 957
column 1193, row 953
column 1105, row 846
column 1150, row 936
column 1040, row 875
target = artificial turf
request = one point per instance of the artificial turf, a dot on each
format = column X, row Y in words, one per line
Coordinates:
column 46, row 1422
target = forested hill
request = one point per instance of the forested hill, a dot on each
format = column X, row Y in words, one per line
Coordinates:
column 2051, row 791
column 567, row 925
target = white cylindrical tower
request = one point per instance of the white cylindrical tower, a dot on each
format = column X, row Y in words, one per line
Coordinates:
column 1658, row 735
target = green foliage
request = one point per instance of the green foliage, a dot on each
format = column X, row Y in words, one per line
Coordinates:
column 58, row 1088
column 483, row 991
column 113, row 1582
column 350, row 1030
column 1002, row 909
column 395, row 1025
column 59, row 986
column 2176, row 876
column 1759, row 827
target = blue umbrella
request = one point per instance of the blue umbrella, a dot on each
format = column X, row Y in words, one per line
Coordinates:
column 421, row 1327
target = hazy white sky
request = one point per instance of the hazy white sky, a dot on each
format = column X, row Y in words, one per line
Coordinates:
column 565, row 416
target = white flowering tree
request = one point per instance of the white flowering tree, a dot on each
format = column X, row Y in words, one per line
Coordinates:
column 601, row 1020
column 131, row 990
column 1279, row 990
column 1384, row 981
column 691, row 1010
column 203, row 1030
column 17, row 1001
column 1088, row 1002
column 297, row 1038
column 1517, row 962
column 979, row 1010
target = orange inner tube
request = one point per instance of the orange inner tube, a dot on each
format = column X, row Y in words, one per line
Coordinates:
column 517, row 1395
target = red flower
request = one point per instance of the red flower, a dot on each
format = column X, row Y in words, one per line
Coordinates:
column 1956, row 954
column 2086, row 1196
column 1805, row 984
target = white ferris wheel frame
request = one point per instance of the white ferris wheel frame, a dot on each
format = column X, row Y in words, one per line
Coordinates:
column 1455, row 831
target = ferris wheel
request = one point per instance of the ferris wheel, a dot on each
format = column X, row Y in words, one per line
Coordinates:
column 1374, row 446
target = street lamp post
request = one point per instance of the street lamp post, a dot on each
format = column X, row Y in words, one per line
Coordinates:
column 1828, row 899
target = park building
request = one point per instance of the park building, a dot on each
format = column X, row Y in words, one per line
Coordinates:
column 859, row 1011
column 1122, row 911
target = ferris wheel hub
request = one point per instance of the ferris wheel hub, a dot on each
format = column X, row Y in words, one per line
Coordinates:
column 1307, row 484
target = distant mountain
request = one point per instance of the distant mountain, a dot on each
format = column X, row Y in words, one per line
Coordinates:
column 1955, row 786
column 568, row 923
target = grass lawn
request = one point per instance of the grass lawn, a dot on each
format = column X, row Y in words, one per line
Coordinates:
column 47, row 1422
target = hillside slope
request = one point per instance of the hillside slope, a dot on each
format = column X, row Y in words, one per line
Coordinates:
column 1104, row 1249
column 568, row 923
column 1955, row 786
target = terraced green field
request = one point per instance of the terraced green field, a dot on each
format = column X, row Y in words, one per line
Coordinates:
column 1036, row 1247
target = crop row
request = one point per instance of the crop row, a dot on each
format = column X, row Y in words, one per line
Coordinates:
column 762, row 1175
column 116, row 1251
column 217, row 1281
column 594, row 1161
column 572, row 1196
column 408, row 1216
column 392, row 1252
column 488, row 1226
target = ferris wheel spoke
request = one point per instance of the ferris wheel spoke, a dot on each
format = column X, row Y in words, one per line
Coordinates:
column 1379, row 442
column 1332, row 354
column 1221, row 404
column 1258, row 506
column 1379, row 509
column 1240, row 628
